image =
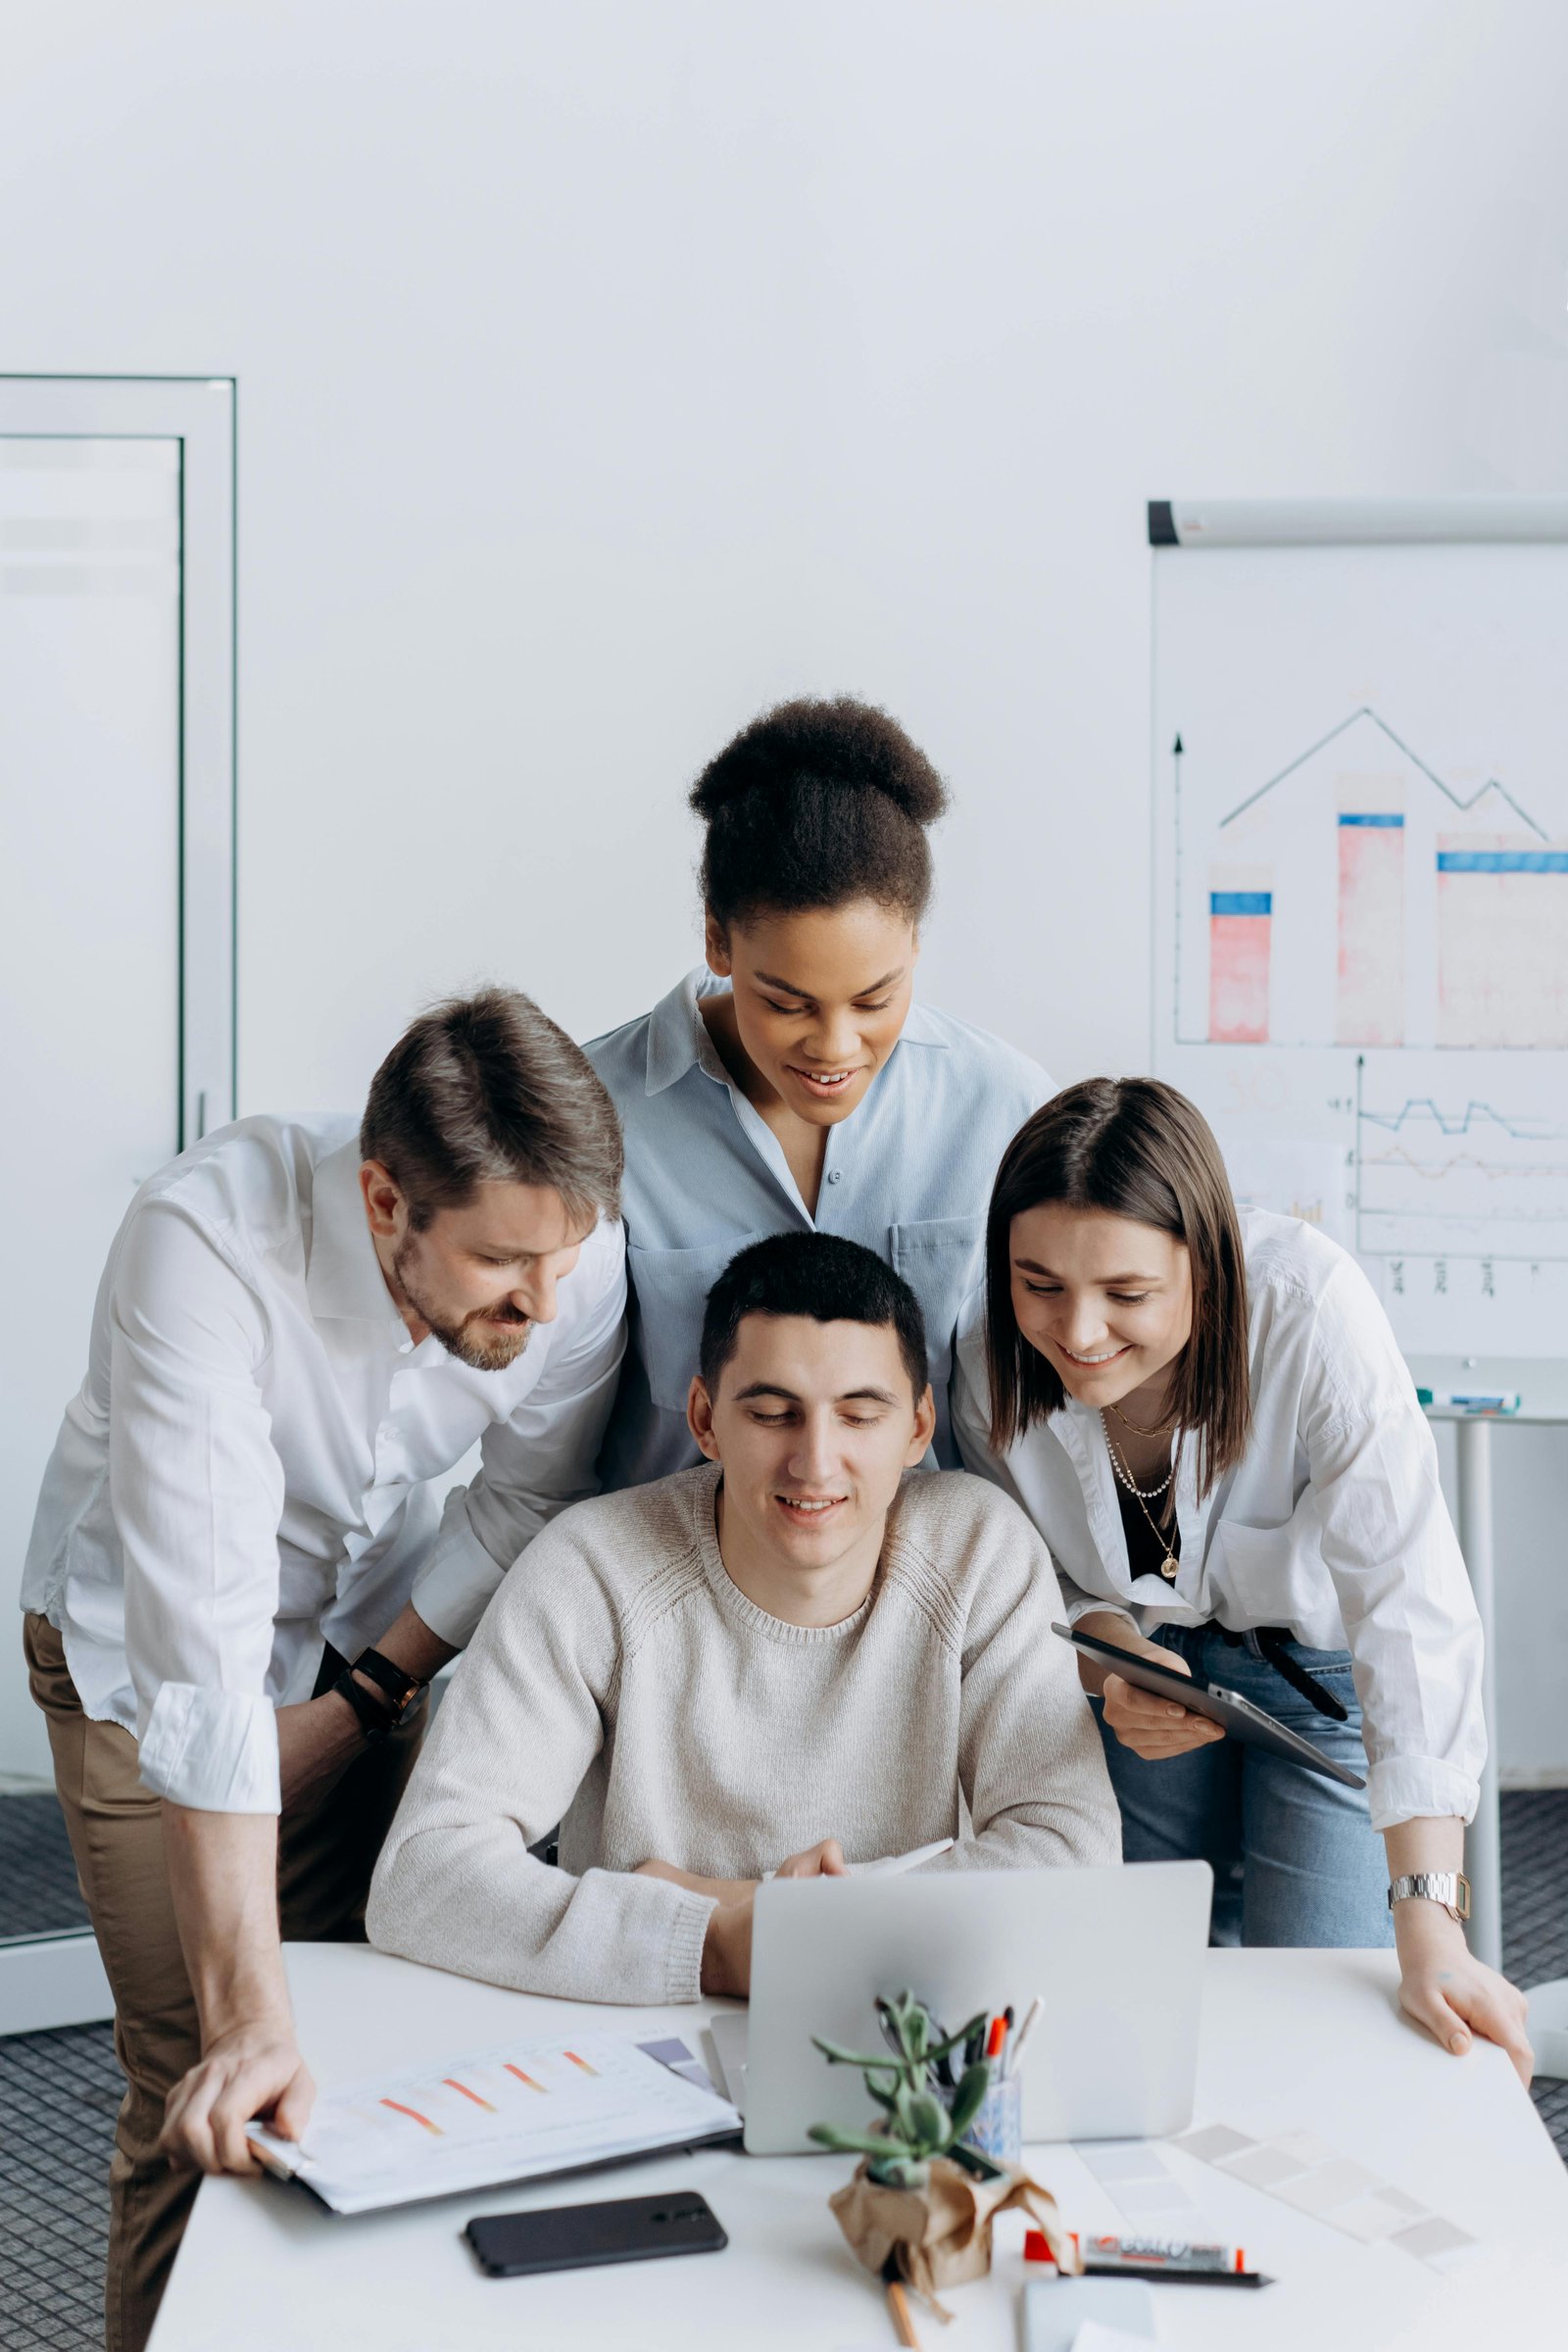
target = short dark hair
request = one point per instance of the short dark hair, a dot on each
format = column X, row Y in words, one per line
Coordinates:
column 816, row 804
column 816, row 1274
column 487, row 1089
column 1133, row 1147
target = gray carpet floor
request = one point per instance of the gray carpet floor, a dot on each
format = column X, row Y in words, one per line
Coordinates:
column 59, row 2091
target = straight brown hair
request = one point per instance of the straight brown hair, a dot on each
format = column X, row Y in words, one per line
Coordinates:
column 487, row 1089
column 1132, row 1147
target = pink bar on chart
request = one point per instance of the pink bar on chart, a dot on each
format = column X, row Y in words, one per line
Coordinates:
column 1239, row 926
column 1369, row 1003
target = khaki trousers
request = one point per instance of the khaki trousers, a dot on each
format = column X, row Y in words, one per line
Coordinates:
column 326, row 1852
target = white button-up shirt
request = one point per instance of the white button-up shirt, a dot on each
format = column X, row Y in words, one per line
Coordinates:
column 242, row 1477
column 1333, row 1524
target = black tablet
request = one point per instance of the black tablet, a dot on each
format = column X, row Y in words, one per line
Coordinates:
column 1200, row 1697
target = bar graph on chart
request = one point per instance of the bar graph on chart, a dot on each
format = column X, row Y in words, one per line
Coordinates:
column 1368, row 917
column 1360, row 907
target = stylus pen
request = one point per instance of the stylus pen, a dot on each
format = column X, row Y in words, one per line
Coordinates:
column 1159, row 2275
column 1031, row 2020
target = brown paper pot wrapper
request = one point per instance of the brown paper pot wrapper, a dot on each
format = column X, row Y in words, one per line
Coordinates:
column 940, row 2235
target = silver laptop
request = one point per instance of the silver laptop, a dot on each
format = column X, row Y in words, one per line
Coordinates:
column 1117, row 1955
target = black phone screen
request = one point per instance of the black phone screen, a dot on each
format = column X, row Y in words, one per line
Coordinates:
column 570, row 2237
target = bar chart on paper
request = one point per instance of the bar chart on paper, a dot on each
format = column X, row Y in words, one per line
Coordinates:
column 1361, row 908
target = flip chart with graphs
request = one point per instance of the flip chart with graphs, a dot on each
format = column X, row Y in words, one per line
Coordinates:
column 1361, row 890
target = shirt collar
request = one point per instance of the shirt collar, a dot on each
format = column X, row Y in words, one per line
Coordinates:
column 678, row 1038
column 677, row 1035
column 343, row 1275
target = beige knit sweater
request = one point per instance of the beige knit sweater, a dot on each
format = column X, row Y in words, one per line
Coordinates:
column 620, row 1683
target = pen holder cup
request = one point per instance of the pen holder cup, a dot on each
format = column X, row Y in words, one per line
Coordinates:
column 997, row 2127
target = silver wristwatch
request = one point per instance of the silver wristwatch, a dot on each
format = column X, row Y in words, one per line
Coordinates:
column 1449, row 1887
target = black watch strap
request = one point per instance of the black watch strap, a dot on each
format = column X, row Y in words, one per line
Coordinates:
column 376, row 1720
column 404, row 1690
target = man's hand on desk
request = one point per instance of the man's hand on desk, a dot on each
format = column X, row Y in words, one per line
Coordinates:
column 727, row 1946
column 252, row 2070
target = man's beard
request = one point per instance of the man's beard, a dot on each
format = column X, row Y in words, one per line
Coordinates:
column 477, row 1341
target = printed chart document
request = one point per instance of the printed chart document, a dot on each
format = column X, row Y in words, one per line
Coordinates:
column 551, row 2103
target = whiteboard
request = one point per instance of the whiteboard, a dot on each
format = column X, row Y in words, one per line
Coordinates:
column 1361, row 878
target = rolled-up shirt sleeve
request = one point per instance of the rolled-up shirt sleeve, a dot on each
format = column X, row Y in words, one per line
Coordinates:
column 197, row 1491
column 1388, row 1544
column 542, row 1457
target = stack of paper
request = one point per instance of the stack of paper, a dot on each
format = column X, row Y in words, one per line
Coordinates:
column 553, row 2104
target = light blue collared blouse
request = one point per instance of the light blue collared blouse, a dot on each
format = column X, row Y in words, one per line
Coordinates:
column 907, row 1174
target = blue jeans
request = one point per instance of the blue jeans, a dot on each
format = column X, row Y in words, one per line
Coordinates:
column 1294, row 1856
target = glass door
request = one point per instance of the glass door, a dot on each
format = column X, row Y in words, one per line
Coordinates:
column 116, row 521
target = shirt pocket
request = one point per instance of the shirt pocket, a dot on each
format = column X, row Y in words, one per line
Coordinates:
column 671, row 1287
column 939, row 1258
column 1258, row 1567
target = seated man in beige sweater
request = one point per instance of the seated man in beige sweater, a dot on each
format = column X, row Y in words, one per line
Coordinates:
column 795, row 1656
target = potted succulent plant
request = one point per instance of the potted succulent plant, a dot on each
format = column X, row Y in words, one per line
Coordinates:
column 921, row 2203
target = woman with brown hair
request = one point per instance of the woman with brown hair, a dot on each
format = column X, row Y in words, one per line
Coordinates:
column 1204, row 1412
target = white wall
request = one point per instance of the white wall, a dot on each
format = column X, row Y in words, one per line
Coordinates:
column 609, row 370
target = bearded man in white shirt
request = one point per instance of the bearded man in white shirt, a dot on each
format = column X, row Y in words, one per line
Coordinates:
column 300, row 1328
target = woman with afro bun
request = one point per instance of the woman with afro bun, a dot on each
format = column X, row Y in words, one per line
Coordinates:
column 794, row 1084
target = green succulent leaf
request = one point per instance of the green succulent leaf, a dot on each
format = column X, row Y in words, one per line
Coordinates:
column 903, row 2172
column 976, row 2025
column 885, row 2096
column 861, row 2143
column 969, row 2096
column 837, row 2055
column 928, row 2125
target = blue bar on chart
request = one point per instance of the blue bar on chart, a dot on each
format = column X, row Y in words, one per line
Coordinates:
column 1503, row 941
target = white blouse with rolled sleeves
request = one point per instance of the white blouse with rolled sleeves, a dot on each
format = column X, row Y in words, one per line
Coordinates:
column 1333, row 1524
column 907, row 1174
column 246, row 1472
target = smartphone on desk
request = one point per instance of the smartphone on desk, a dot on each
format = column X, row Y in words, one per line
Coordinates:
column 571, row 2237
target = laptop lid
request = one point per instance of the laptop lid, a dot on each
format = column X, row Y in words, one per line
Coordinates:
column 1117, row 1955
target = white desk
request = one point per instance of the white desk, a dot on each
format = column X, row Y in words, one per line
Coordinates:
column 1541, row 1388
column 1289, row 2038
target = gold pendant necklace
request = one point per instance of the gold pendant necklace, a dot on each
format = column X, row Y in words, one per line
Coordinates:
column 1170, row 1565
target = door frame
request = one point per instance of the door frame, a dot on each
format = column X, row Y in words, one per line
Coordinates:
column 200, row 411
column 48, row 1981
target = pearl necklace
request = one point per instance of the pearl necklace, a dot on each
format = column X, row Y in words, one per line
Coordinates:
column 1125, row 1475
column 1170, row 1566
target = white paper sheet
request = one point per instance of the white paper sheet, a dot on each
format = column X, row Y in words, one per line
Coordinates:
column 539, row 2105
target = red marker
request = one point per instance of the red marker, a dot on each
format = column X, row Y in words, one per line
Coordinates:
column 1169, row 2261
column 995, row 2037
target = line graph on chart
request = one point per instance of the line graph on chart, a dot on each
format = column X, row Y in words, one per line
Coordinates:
column 1471, row 1182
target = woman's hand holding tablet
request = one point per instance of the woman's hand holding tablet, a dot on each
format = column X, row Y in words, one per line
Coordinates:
column 1149, row 1725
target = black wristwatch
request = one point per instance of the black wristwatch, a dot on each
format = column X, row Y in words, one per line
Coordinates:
column 404, row 1694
